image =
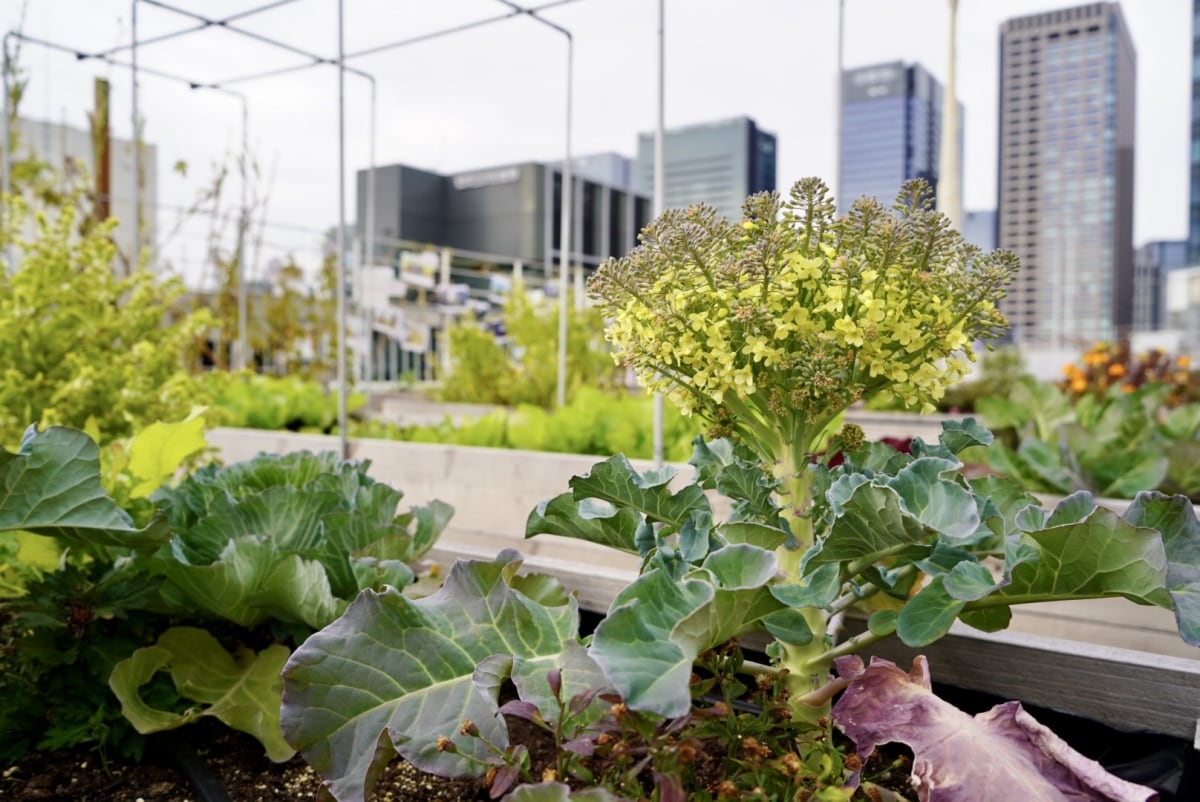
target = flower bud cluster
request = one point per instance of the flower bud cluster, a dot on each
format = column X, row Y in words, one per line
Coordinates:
column 796, row 314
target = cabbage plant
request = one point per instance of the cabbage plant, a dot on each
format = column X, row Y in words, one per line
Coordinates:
column 230, row 567
column 767, row 330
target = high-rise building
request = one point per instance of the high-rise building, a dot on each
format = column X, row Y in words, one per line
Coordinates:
column 979, row 229
column 1065, row 184
column 1194, row 206
column 1151, row 263
column 719, row 163
column 891, row 131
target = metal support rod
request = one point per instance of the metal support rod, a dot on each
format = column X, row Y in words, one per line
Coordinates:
column 369, row 247
column 564, row 257
column 135, row 256
column 660, row 194
column 194, row 29
column 949, row 194
column 837, row 101
column 6, row 161
column 341, row 236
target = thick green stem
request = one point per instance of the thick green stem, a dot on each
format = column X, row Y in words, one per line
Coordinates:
column 807, row 671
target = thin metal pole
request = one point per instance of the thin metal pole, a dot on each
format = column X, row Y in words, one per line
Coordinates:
column 341, row 236
column 949, row 196
column 243, row 224
column 564, row 257
column 137, row 145
column 660, row 193
column 6, row 163
column 837, row 100
column 370, row 236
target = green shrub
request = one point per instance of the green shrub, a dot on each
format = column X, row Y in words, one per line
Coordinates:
column 79, row 344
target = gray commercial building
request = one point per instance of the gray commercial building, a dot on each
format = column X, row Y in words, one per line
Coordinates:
column 512, row 212
column 891, row 131
column 719, row 163
column 1151, row 263
column 1065, row 183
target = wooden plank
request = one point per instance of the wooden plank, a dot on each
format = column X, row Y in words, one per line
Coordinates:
column 1125, row 689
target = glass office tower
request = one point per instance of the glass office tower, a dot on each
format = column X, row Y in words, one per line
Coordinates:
column 891, row 131
column 719, row 163
column 1065, row 183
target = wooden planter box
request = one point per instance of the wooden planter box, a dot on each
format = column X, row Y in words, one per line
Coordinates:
column 1125, row 665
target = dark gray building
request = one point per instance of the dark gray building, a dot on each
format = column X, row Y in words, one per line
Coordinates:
column 891, row 131
column 512, row 212
column 1065, row 183
column 719, row 163
column 1151, row 263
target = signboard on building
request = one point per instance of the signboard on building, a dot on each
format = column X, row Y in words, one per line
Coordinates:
column 486, row 178
column 870, row 83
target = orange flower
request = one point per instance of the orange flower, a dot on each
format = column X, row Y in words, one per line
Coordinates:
column 1116, row 370
column 1184, row 361
column 1127, row 388
column 1079, row 385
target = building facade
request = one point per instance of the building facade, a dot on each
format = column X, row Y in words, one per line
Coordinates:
column 979, row 229
column 1194, row 201
column 1151, row 264
column 1065, row 182
column 510, row 213
column 71, row 154
column 891, row 131
column 719, row 163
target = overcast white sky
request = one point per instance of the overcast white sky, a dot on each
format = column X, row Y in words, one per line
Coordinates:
column 496, row 94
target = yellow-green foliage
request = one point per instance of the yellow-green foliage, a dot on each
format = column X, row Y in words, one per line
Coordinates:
column 79, row 343
column 253, row 401
column 782, row 321
column 592, row 423
column 482, row 372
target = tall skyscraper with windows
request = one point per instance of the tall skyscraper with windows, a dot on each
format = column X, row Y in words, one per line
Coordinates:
column 719, row 163
column 891, row 131
column 1194, row 205
column 1065, row 188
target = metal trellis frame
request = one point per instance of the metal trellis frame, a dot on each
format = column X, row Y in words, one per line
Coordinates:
column 312, row 60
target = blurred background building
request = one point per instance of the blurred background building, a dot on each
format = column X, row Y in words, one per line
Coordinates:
column 1065, row 190
column 719, row 163
column 891, row 131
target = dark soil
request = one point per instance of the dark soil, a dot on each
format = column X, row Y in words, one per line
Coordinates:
column 236, row 760
column 239, row 765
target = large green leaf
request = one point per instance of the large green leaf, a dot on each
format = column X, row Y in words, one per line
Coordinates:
column 158, row 451
column 400, row 673
column 937, row 502
column 928, row 615
column 51, row 486
column 658, row 625
column 616, row 482
column 1101, row 555
column 241, row 690
column 606, row 525
column 252, row 581
column 1175, row 518
column 1183, row 467
column 872, row 523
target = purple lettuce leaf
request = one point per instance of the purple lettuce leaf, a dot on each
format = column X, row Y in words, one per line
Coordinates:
column 996, row 756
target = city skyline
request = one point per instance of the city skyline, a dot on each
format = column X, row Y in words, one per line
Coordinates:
column 495, row 95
